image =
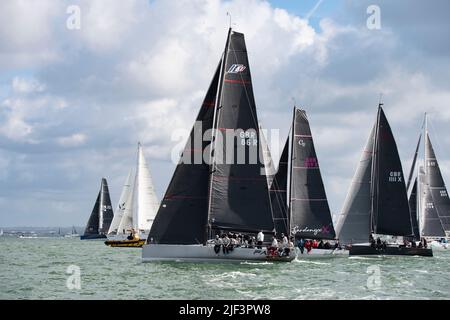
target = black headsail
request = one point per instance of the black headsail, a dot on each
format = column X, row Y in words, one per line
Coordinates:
column 239, row 196
column 278, row 193
column 354, row 222
column 390, row 208
column 310, row 215
column 413, row 210
column 431, row 225
column 182, row 215
column 436, row 185
column 102, row 214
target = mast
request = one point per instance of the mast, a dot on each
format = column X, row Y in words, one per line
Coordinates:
column 373, row 182
column 291, row 159
column 217, row 107
column 101, row 207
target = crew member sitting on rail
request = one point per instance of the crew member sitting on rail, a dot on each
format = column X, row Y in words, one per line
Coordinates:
column 217, row 244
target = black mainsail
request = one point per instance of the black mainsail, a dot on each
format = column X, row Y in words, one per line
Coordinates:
column 310, row 215
column 390, row 208
column 228, row 190
column 303, row 211
column 436, row 185
column 377, row 201
column 239, row 193
column 101, row 215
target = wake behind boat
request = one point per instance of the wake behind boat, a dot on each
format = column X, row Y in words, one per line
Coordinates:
column 377, row 205
column 225, row 193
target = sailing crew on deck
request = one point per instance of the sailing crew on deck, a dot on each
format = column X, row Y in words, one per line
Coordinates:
column 260, row 239
column 217, row 244
column 301, row 245
column 225, row 244
column 284, row 241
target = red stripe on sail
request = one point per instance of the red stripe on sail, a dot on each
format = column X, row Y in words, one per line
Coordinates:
column 237, row 81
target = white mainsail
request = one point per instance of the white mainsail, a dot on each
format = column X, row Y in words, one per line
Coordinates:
column 146, row 201
column 121, row 206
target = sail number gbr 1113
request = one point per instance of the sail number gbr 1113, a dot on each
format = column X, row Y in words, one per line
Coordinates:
column 229, row 310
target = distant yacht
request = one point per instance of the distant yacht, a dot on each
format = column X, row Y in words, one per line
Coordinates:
column 73, row 233
column 1, row 232
column 429, row 200
column 377, row 204
column 136, row 209
column 101, row 215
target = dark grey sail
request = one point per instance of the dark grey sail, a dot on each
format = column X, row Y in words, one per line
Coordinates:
column 353, row 224
column 390, row 208
column 310, row 215
column 101, row 216
column 431, row 223
column 413, row 210
column 278, row 194
column 436, row 185
column 239, row 196
column 182, row 215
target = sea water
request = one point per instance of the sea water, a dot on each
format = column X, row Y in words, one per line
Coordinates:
column 68, row 268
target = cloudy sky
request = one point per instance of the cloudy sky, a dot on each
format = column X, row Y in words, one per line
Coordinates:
column 74, row 102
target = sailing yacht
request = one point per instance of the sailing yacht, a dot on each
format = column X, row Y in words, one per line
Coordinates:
column 377, row 203
column 101, row 215
column 72, row 234
column 299, row 201
column 136, row 209
column 429, row 197
column 224, row 193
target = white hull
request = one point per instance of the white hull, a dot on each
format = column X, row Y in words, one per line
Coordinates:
column 320, row 253
column 201, row 253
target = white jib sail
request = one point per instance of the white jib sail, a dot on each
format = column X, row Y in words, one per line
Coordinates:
column 123, row 203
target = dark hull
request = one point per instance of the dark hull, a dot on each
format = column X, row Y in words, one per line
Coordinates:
column 92, row 237
column 389, row 251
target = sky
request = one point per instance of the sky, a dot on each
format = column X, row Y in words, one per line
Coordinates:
column 75, row 102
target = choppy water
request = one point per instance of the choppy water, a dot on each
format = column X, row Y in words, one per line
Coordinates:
column 37, row 269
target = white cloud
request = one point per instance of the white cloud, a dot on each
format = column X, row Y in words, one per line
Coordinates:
column 74, row 140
